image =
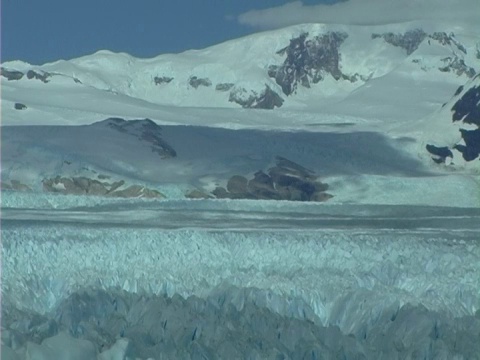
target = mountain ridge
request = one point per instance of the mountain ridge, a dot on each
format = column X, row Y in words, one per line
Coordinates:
column 229, row 74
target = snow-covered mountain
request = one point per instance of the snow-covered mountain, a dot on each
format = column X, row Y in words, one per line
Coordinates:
column 391, row 79
column 292, row 67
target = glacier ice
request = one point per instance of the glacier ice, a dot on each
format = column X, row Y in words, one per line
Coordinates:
column 221, row 279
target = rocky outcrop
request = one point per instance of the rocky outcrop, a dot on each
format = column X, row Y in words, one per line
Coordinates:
column 285, row 181
column 43, row 76
column 19, row 106
column 409, row 41
column 466, row 111
column 195, row 82
column 11, row 74
column 456, row 65
column 308, row 61
column 145, row 130
column 224, row 86
column 86, row 186
column 197, row 194
column 447, row 39
column 159, row 80
column 267, row 99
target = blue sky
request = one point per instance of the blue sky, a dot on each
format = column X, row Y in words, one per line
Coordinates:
column 39, row 31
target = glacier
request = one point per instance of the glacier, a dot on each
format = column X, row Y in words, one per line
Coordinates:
column 367, row 281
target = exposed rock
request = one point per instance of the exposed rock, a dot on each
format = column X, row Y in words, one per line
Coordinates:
column 450, row 40
column 465, row 110
column 285, row 181
column 262, row 187
column 308, row 61
column 197, row 194
column 267, row 99
column 471, row 149
column 408, row 41
column 86, row 186
column 458, row 66
column 137, row 191
column 20, row 106
column 162, row 80
column 440, row 153
column 224, row 86
column 42, row 75
column 237, row 184
column 220, row 193
column 145, row 130
column 196, row 82
column 11, row 74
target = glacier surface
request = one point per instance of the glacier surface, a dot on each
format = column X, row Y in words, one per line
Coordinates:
column 239, row 279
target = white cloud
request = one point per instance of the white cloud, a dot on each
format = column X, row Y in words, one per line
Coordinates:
column 363, row 12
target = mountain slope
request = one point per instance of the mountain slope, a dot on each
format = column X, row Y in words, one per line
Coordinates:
column 310, row 65
column 455, row 139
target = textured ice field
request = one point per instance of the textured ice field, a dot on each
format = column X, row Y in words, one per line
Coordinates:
column 328, row 265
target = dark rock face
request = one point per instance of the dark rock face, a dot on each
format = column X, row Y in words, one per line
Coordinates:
column 224, row 86
column 267, row 99
column 285, row 181
column 145, row 130
column 412, row 39
column 440, row 153
column 11, row 74
column 471, row 150
column 20, row 106
column 42, row 76
column 162, row 80
column 197, row 194
column 195, row 82
column 237, row 184
column 449, row 39
column 466, row 109
column 408, row 41
column 458, row 66
column 308, row 60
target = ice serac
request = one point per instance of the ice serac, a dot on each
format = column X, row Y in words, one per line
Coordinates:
column 235, row 324
column 460, row 119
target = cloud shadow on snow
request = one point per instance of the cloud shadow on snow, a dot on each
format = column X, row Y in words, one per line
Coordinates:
column 328, row 154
